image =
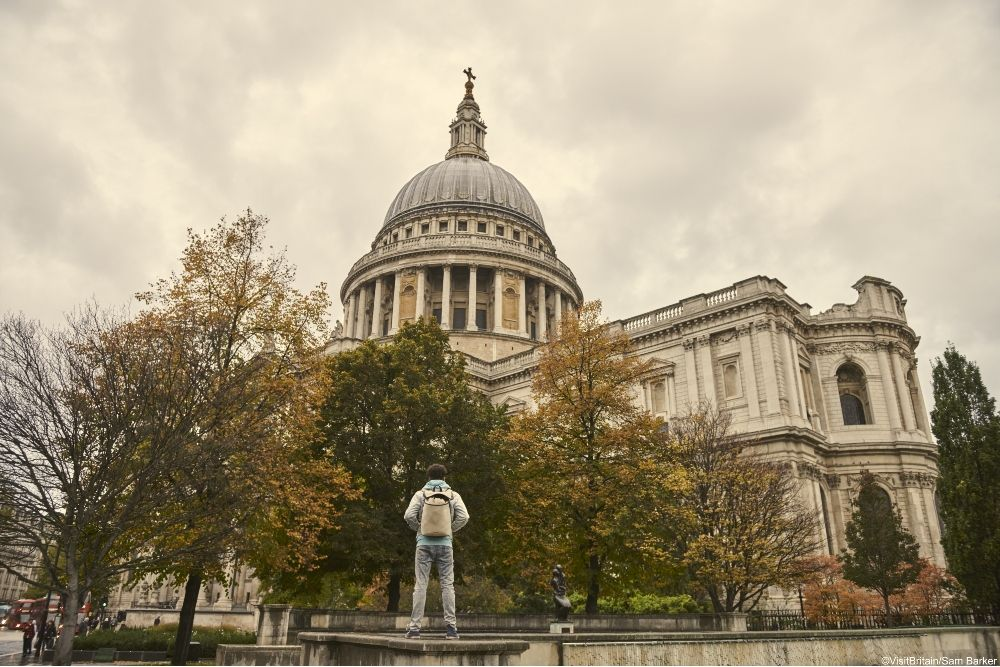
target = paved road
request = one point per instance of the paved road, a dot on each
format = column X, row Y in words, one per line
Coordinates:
column 10, row 647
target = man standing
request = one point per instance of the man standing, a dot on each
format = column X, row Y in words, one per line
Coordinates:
column 435, row 512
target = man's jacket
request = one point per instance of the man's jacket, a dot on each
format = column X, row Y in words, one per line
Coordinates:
column 459, row 514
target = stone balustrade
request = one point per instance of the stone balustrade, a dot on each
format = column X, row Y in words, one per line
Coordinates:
column 447, row 242
column 744, row 288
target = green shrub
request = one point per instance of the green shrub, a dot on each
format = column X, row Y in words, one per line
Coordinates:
column 161, row 638
column 638, row 603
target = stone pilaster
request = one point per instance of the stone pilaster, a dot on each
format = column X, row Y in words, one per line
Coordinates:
column 887, row 386
column 791, row 392
column 765, row 345
column 691, row 373
column 707, row 369
column 749, row 371
column 903, row 392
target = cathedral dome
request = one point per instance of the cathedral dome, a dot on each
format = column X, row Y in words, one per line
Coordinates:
column 469, row 182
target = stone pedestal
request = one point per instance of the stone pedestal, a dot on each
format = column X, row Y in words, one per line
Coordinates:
column 560, row 628
column 272, row 625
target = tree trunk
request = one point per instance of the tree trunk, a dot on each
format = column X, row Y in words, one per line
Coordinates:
column 63, row 654
column 185, row 623
column 392, row 591
column 593, row 583
column 888, row 611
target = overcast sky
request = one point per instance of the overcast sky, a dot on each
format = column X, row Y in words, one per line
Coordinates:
column 674, row 148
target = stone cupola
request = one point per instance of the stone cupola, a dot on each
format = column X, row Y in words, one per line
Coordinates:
column 468, row 131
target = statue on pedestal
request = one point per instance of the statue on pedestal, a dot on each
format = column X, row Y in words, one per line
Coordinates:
column 562, row 603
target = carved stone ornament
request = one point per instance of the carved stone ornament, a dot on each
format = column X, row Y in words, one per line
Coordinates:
column 833, row 481
column 725, row 337
column 845, row 347
column 811, row 471
column 920, row 479
column 762, row 325
column 743, row 330
column 689, row 343
column 704, row 340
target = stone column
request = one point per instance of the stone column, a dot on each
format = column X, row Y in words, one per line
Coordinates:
column 803, row 406
column 359, row 310
column 352, row 304
column 691, row 373
column 470, row 309
column 923, row 422
column 542, row 315
column 791, row 392
column 909, row 420
column 397, row 287
column 558, row 303
column 446, row 298
column 522, row 307
column 377, row 309
column 671, row 396
column 749, row 371
column 707, row 368
column 887, row 389
column 421, row 293
column 766, row 347
column 497, row 300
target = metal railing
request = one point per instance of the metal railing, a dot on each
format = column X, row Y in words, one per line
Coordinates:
column 782, row 620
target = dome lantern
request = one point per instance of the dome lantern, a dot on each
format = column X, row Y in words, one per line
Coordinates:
column 468, row 131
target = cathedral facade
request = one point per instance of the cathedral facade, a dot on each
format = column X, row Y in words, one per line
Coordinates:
column 830, row 394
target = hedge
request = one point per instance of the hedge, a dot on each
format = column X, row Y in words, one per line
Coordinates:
column 161, row 638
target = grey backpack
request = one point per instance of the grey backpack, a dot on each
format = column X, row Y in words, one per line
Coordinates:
column 435, row 520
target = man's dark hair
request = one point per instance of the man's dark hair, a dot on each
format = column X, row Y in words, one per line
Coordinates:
column 436, row 471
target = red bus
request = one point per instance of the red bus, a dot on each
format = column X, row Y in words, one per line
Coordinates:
column 20, row 614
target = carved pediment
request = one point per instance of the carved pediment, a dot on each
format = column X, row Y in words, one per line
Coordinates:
column 658, row 368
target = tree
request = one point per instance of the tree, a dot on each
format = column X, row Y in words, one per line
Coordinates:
column 258, row 342
column 392, row 410
column 829, row 598
column 747, row 527
column 967, row 428
column 881, row 555
column 591, row 475
column 90, row 440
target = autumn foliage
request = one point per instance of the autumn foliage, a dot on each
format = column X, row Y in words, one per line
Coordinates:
column 592, row 472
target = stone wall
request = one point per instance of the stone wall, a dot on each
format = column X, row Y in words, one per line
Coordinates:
column 237, row 654
column 850, row 647
column 242, row 620
column 359, row 621
column 876, row 647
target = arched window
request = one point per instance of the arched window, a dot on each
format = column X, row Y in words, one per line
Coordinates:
column 853, row 409
column 853, row 389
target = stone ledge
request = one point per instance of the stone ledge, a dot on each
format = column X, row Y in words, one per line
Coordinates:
column 335, row 648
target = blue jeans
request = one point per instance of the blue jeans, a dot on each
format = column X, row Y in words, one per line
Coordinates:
column 442, row 556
